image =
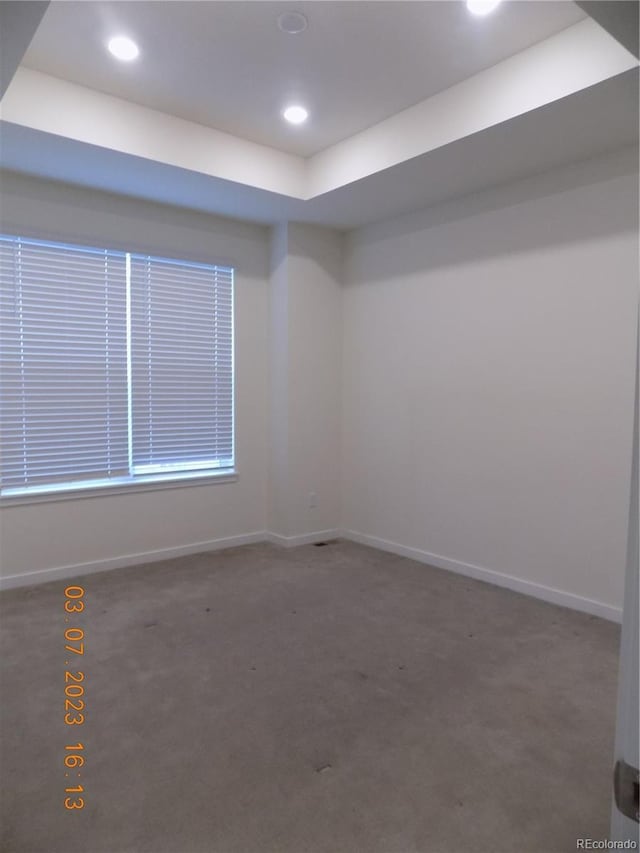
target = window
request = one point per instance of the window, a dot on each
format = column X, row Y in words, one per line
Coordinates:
column 116, row 368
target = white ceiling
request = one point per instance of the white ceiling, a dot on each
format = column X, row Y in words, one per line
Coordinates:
column 226, row 65
column 568, row 130
column 413, row 103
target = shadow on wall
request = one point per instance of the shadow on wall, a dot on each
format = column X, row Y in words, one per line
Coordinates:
column 468, row 242
column 131, row 223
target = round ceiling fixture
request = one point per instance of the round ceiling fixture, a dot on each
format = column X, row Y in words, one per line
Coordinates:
column 123, row 48
column 292, row 22
column 295, row 114
column 482, row 7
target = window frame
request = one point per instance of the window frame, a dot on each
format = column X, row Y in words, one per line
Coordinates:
column 132, row 483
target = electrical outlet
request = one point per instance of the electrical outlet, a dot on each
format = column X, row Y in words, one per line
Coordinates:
column 313, row 500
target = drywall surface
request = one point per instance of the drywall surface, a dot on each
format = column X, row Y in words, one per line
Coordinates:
column 55, row 534
column 315, row 333
column 69, row 110
column 488, row 359
column 278, row 468
column 305, row 352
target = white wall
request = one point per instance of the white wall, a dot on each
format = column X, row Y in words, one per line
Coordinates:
column 466, row 395
column 70, row 532
column 278, row 492
column 488, row 380
column 306, row 344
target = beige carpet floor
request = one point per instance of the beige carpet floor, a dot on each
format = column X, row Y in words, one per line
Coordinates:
column 313, row 700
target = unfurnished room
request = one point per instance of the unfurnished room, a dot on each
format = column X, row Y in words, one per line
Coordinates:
column 319, row 426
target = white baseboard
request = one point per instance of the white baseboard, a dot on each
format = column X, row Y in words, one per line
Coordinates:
column 546, row 593
column 72, row 571
column 535, row 590
column 301, row 539
column 79, row 569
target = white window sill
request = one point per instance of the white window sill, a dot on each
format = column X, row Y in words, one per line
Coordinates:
column 140, row 484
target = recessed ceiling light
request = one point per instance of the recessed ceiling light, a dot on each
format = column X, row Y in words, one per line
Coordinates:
column 482, row 7
column 295, row 114
column 292, row 22
column 122, row 47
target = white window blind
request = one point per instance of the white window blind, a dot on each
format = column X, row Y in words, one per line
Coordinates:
column 63, row 379
column 115, row 368
column 181, row 366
